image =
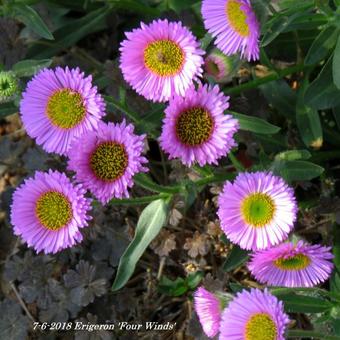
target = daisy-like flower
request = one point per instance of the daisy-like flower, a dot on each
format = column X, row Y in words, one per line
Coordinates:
column 254, row 315
column 292, row 265
column 208, row 309
column 106, row 160
column 257, row 211
column 235, row 26
column 8, row 86
column 161, row 59
column 195, row 129
column 58, row 106
column 221, row 67
column 48, row 211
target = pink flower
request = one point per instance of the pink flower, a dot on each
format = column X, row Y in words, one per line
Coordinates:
column 161, row 59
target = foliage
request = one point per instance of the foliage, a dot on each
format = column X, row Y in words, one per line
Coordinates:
column 288, row 107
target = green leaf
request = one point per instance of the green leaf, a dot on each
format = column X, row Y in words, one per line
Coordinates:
column 297, row 170
column 336, row 64
column 7, row 109
column 295, row 303
column 279, row 95
column 322, row 93
column 255, row 124
column 293, row 155
column 179, row 5
column 260, row 8
column 32, row 20
column 169, row 287
column 29, row 67
column 236, row 258
column 322, row 45
column 194, row 279
column 308, row 121
column 149, row 225
column 70, row 34
column 276, row 25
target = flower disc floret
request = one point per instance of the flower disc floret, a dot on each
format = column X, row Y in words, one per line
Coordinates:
column 66, row 109
column 109, row 161
column 258, row 209
column 237, row 17
column 261, row 327
column 53, row 210
column 194, row 126
column 164, row 57
column 295, row 262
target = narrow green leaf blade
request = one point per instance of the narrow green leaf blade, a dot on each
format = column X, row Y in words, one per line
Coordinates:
column 322, row 45
column 255, row 124
column 149, row 225
column 336, row 63
column 32, row 20
column 71, row 33
column 322, row 92
column 29, row 67
column 308, row 121
column 292, row 155
column 236, row 258
column 295, row 303
column 297, row 170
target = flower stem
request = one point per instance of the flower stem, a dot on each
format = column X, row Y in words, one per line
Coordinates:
column 139, row 200
column 293, row 333
column 236, row 163
column 271, row 77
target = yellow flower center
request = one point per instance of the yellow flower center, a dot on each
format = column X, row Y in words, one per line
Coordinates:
column 237, row 17
column 109, row 161
column 260, row 327
column 65, row 108
column 164, row 57
column 194, row 126
column 296, row 262
column 53, row 210
column 258, row 209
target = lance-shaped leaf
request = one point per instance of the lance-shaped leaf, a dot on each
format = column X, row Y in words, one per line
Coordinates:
column 149, row 225
column 255, row 124
column 32, row 20
column 26, row 68
column 308, row 121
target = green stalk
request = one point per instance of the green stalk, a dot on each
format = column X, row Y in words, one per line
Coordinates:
column 116, row 104
column 143, row 181
column 139, row 200
column 259, row 81
column 296, row 333
column 236, row 163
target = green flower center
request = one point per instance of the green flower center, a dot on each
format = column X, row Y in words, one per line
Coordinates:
column 260, row 327
column 194, row 126
column 296, row 262
column 109, row 161
column 237, row 17
column 8, row 85
column 212, row 68
column 164, row 57
column 53, row 210
column 258, row 209
column 65, row 108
